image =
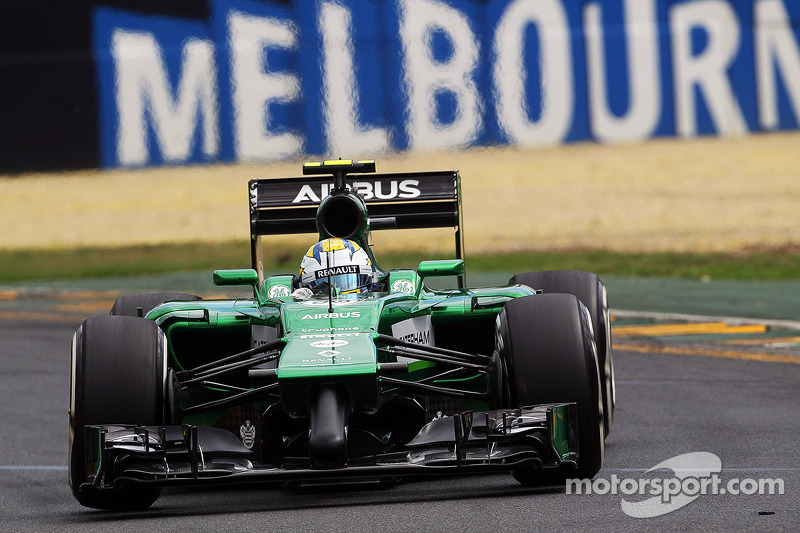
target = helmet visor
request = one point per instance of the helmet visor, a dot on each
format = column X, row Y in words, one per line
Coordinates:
column 343, row 283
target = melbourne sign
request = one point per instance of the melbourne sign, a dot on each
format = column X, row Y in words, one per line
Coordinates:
column 356, row 78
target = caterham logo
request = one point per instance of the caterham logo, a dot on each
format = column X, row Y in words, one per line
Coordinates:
column 248, row 434
column 418, row 330
column 417, row 337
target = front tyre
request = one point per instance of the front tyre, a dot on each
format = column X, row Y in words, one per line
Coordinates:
column 591, row 291
column 118, row 377
column 546, row 344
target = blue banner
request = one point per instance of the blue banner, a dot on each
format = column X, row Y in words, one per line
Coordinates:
column 360, row 78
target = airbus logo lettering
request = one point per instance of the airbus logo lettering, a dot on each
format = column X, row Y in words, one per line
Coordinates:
column 368, row 190
column 317, row 316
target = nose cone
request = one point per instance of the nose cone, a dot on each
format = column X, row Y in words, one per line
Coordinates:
column 328, row 415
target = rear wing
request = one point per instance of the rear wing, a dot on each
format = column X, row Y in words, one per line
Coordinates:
column 283, row 206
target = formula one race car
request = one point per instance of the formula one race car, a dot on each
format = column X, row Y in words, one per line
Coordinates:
column 345, row 371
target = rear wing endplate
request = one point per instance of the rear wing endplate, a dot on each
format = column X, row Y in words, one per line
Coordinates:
column 283, row 206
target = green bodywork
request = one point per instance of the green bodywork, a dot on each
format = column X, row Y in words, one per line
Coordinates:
column 330, row 341
column 287, row 385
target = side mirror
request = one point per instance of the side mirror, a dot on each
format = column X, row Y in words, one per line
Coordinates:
column 238, row 276
column 445, row 267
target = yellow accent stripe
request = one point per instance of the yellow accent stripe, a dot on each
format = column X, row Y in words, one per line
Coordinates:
column 8, row 295
column 702, row 328
column 767, row 342
column 706, row 352
column 329, row 162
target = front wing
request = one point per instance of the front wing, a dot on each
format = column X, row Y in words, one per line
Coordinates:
column 541, row 436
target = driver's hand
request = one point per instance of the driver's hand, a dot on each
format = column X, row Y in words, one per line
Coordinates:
column 303, row 293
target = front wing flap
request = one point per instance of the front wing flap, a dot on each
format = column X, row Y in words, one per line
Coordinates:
column 542, row 436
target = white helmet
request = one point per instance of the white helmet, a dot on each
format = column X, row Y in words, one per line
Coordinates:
column 340, row 262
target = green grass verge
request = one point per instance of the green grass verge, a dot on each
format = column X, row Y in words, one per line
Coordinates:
column 29, row 265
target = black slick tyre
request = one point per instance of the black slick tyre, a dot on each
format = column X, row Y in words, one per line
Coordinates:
column 591, row 291
column 546, row 344
column 118, row 377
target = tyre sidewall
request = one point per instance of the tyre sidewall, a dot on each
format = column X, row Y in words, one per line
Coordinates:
column 590, row 290
column 549, row 353
column 118, row 377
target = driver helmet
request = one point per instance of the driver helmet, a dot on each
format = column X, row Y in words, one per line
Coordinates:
column 340, row 262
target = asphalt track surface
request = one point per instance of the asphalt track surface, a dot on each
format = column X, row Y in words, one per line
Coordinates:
column 674, row 397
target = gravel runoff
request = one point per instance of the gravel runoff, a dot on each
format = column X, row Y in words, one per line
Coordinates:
column 701, row 195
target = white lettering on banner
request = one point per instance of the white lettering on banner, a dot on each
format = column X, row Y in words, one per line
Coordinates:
column 340, row 97
column 708, row 70
column 254, row 89
column 425, row 77
column 143, row 88
column 644, row 82
column 775, row 47
column 161, row 101
column 555, row 57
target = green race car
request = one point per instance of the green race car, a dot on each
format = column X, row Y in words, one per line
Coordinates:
column 345, row 371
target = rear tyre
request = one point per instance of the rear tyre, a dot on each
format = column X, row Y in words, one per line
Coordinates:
column 591, row 291
column 546, row 344
column 118, row 377
column 128, row 305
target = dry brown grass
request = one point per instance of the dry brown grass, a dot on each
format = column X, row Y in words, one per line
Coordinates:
column 697, row 195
